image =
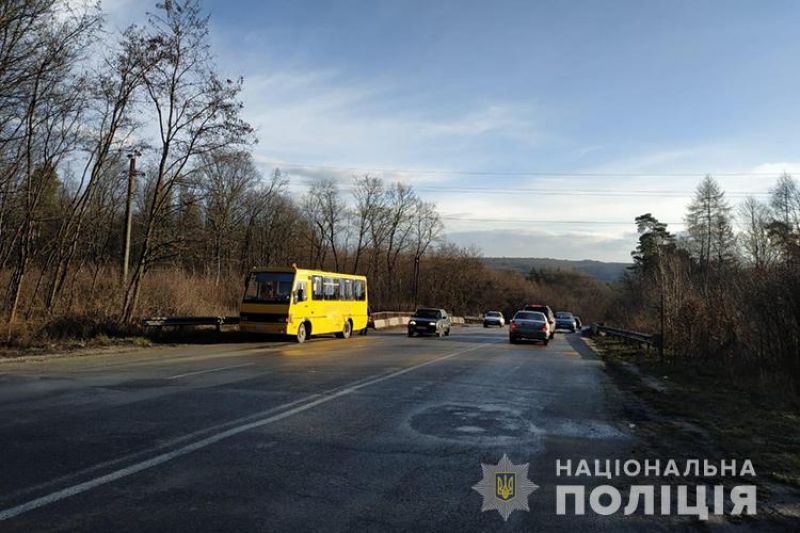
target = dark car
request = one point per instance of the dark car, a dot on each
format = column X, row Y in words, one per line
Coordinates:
column 429, row 321
column 566, row 320
column 551, row 318
column 531, row 325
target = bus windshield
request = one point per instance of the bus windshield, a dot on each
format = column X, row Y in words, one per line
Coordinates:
column 269, row 287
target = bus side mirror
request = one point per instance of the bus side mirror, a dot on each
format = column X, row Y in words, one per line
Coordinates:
column 299, row 295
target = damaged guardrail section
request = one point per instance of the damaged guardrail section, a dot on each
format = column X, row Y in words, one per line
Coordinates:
column 383, row 323
column 183, row 321
column 380, row 320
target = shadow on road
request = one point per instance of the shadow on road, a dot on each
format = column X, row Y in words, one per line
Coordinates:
column 458, row 334
column 574, row 340
column 211, row 336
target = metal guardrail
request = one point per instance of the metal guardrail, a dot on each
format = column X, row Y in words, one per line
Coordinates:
column 402, row 319
column 388, row 319
column 380, row 320
column 182, row 321
column 638, row 337
column 383, row 315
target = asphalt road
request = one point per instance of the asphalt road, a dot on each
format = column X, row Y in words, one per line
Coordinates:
column 378, row 433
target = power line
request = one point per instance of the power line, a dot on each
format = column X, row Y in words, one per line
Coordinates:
column 572, row 192
column 583, row 192
column 455, row 218
column 533, row 174
column 541, row 222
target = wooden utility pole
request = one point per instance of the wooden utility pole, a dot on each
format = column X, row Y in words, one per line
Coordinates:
column 663, row 314
column 416, row 281
column 126, row 243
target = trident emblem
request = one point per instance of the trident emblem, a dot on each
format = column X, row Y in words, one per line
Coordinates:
column 505, row 485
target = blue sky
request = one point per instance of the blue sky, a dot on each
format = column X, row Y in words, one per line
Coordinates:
column 459, row 95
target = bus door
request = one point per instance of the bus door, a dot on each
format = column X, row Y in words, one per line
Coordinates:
column 316, row 302
column 300, row 299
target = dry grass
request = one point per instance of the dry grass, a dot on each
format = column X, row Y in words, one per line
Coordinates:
column 88, row 309
column 173, row 292
column 746, row 421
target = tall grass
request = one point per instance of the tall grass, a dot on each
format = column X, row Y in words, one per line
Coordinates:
column 90, row 304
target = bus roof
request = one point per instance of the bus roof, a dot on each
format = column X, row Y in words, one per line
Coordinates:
column 294, row 268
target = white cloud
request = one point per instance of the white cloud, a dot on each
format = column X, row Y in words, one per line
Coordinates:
column 790, row 167
column 325, row 123
column 122, row 13
column 534, row 243
column 316, row 116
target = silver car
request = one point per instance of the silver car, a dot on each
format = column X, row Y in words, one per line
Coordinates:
column 531, row 325
column 493, row 318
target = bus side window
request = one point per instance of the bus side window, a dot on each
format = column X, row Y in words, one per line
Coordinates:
column 347, row 289
column 331, row 288
column 358, row 289
column 337, row 289
column 316, row 288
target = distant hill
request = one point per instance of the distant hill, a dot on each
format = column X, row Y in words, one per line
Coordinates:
column 598, row 269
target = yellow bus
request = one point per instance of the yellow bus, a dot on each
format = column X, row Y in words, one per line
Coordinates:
column 300, row 303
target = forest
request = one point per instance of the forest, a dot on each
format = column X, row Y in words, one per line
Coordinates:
column 128, row 188
column 725, row 291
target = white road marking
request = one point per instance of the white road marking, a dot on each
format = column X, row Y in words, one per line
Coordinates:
column 57, row 496
column 163, row 446
column 187, row 374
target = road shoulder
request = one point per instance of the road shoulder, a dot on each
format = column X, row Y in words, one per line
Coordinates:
column 691, row 415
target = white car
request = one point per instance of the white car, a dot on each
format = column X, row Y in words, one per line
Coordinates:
column 493, row 318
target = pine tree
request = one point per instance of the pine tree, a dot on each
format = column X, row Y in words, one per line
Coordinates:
column 653, row 238
column 709, row 228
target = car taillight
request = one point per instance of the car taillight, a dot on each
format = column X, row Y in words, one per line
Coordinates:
column 513, row 325
column 544, row 327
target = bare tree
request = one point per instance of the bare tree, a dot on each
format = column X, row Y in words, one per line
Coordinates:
column 370, row 197
column 401, row 201
column 271, row 225
column 754, row 239
column 326, row 212
column 50, row 108
column 196, row 113
column 226, row 177
column 108, row 126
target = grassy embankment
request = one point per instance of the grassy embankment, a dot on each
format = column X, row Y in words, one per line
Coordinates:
column 704, row 407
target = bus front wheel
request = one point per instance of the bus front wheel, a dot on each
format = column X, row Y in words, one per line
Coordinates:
column 301, row 334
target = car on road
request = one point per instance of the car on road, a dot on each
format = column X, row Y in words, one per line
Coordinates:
column 530, row 325
column 493, row 318
column 566, row 320
column 429, row 321
column 547, row 312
